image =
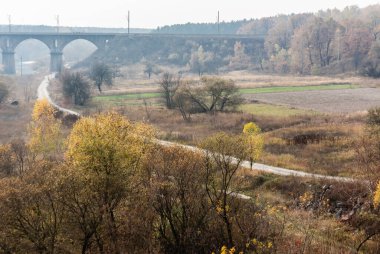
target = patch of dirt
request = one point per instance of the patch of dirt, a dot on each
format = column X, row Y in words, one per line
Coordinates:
column 328, row 101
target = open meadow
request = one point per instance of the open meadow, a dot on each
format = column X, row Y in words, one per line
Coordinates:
column 342, row 101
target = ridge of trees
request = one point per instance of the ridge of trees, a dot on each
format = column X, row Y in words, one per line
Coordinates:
column 326, row 42
column 231, row 27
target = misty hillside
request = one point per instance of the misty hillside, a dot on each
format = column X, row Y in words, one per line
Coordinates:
column 203, row 28
column 327, row 42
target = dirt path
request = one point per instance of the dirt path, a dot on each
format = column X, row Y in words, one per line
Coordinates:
column 42, row 93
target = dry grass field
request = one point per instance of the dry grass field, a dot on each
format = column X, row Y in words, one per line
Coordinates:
column 134, row 80
column 328, row 101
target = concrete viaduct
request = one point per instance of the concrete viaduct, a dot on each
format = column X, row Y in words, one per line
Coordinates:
column 56, row 42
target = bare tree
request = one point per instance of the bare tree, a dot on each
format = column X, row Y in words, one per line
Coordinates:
column 221, row 170
column 183, row 103
column 149, row 69
column 101, row 74
column 213, row 94
column 179, row 199
column 169, row 84
column 75, row 86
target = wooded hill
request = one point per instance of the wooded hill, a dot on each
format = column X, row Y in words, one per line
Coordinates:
column 326, row 42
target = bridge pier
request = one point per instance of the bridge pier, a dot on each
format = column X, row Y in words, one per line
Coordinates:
column 56, row 61
column 9, row 62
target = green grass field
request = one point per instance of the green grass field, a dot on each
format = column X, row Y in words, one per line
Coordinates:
column 273, row 110
column 136, row 98
column 284, row 89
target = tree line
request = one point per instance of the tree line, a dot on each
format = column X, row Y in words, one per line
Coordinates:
column 326, row 42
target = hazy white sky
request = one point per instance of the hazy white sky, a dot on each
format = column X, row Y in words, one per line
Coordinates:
column 153, row 13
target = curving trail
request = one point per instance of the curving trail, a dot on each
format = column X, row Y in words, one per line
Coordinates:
column 43, row 93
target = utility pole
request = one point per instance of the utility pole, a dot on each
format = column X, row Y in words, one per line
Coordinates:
column 10, row 23
column 21, row 65
column 129, row 19
column 57, row 19
column 339, row 47
column 218, row 23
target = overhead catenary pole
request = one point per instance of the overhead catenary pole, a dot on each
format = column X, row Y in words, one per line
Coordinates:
column 129, row 20
column 218, row 23
column 57, row 20
column 10, row 23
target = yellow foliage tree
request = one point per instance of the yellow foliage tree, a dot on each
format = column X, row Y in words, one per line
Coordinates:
column 376, row 198
column 107, row 151
column 44, row 130
column 254, row 141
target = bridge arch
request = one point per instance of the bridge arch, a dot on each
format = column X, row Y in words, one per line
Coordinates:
column 78, row 50
column 27, row 59
column 17, row 42
column 99, row 43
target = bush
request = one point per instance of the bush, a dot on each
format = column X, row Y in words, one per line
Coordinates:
column 373, row 117
column 75, row 86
